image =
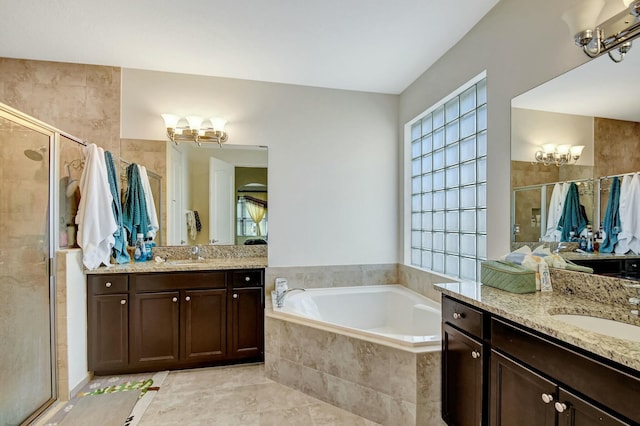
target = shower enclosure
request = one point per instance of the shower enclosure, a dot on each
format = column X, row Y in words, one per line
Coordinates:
column 27, row 363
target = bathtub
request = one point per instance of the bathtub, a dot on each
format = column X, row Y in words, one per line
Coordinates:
column 392, row 313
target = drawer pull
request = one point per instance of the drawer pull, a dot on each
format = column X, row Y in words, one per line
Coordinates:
column 247, row 278
column 188, row 298
column 547, row 398
column 475, row 354
column 123, row 302
column 457, row 315
column 560, row 407
column 108, row 284
column 235, row 295
column 175, row 299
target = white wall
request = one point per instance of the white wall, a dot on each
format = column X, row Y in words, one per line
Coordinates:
column 333, row 158
column 520, row 44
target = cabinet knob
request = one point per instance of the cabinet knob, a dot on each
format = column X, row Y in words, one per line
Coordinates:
column 457, row 315
column 123, row 302
column 247, row 278
column 108, row 284
column 560, row 407
column 187, row 298
column 175, row 299
column 475, row 354
column 235, row 295
column 547, row 398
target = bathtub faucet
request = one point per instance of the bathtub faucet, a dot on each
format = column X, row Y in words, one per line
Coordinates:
column 280, row 297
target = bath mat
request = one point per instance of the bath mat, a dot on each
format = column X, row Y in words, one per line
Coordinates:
column 106, row 409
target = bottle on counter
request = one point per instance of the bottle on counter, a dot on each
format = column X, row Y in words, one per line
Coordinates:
column 150, row 245
column 140, row 252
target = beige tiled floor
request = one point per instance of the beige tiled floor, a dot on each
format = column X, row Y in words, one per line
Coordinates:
column 239, row 395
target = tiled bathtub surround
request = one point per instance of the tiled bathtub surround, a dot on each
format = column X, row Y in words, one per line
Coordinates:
column 388, row 385
column 384, row 383
column 417, row 280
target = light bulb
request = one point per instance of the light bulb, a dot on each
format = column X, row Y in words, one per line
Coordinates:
column 170, row 120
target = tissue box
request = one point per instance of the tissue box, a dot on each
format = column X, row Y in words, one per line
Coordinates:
column 507, row 276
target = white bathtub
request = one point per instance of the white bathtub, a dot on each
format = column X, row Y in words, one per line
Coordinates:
column 390, row 312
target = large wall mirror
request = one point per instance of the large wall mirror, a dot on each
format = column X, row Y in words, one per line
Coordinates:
column 226, row 188
column 596, row 105
column 225, row 185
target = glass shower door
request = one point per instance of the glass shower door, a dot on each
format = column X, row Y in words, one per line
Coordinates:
column 27, row 376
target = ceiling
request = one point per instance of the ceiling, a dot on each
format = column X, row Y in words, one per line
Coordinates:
column 365, row 45
column 598, row 88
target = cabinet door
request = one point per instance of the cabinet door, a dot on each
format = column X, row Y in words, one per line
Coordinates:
column 246, row 323
column 108, row 332
column 519, row 397
column 462, row 360
column 155, row 329
column 204, row 324
column 574, row 411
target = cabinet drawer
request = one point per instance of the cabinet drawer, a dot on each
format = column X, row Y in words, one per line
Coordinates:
column 178, row 281
column 462, row 316
column 108, row 284
column 247, row 277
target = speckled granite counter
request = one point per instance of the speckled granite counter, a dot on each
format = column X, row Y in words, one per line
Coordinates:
column 182, row 258
column 184, row 265
column 535, row 311
column 572, row 255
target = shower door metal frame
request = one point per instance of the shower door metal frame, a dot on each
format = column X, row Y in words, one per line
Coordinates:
column 54, row 135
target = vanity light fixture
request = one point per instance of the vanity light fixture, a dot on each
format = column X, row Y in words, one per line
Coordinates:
column 611, row 36
column 559, row 155
column 194, row 128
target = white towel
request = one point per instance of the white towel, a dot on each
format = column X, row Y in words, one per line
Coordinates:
column 148, row 196
column 95, row 220
column 629, row 236
column 558, row 195
column 191, row 225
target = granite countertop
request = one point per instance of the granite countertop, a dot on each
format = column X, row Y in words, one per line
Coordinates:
column 209, row 264
column 535, row 310
column 570, row 255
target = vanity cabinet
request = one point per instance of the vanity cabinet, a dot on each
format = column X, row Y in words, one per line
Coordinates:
column 531, row 378
column 177, row 320
column 246, row 314
column 463, row 359
column 108, row 317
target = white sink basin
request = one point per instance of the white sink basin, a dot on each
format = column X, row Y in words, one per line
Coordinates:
column 607, row 327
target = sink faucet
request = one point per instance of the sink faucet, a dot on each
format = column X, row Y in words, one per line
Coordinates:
column 280, row 297
column 634, row 301
column 195, row 252
column 559, row 247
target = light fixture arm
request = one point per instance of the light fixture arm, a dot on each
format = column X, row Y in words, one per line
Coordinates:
column 615, row 34
column 213, row 133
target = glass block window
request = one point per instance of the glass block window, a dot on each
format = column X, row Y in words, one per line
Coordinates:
column 449, row 185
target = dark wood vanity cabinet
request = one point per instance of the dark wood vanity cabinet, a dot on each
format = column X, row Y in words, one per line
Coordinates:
column 177, row 320
column 246, row 318
column 108, row 317
column 463, row 358
column 532, row 379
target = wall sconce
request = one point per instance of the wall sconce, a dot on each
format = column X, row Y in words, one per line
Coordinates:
column 613, row 34
column 196, row 130
column 559, row 155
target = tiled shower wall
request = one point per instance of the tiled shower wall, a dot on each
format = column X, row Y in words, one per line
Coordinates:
column 82, row 100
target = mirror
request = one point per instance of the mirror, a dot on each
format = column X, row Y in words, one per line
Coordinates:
column 192, row 164
column 227, row 187
column 595, row 105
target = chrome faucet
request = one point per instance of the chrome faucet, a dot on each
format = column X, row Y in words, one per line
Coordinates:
column 634, row 301
column 560, row 247
column 195, row 252
column 280, row 297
